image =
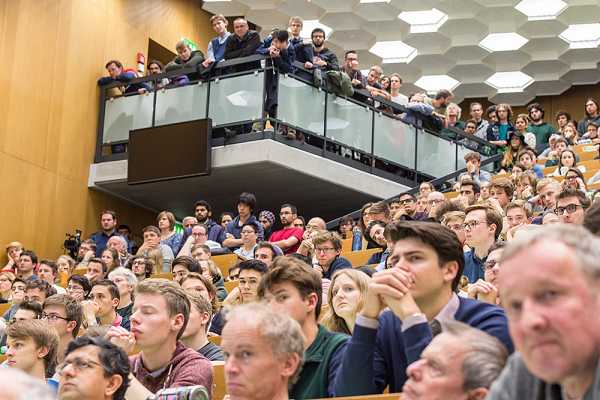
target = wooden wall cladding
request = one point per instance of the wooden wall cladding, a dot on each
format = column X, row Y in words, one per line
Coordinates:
column 53, row 52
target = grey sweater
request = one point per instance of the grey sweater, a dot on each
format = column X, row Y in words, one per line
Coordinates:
column 517, row 383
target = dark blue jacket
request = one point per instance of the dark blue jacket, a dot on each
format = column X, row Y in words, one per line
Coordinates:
column 473, row 267
column 337, row 264
column 284, row 62
column 236, row 230
column 101, row 240
column 375, row 358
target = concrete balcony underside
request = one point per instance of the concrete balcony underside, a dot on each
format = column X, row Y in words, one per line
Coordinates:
column 275, row 172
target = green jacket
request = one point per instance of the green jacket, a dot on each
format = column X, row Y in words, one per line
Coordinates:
column 322, row 360
column 542, row 134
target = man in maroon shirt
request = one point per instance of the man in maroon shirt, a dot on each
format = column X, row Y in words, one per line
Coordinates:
column 161, row 312
column 289, row 238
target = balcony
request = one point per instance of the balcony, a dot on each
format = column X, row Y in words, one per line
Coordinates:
column 353, row 152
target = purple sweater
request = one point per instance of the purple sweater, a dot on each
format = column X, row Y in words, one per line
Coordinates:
column 188, row 368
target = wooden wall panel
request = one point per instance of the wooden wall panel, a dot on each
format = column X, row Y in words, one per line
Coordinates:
column 53, row 53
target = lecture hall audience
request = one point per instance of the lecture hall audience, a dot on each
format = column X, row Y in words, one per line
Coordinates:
column 454, row 278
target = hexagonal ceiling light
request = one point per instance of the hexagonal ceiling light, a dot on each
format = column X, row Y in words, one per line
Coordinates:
column 424, row 21
column 582, row 36
column 311, row 24
column 394, row 51
column 509, row 82
column 433, row 83
column 537, row 10
column 503, row 42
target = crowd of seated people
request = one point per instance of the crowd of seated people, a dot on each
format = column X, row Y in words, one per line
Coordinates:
column 489, row 291
column 454, row 297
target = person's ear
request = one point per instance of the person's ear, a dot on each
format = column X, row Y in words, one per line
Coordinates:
column 205, row 318
column 177, row 322
column 291, row 365
column 113, row 383
column 42, row 352
column 311, row 302
column 71, row 326
column 450, row 270
column 477, row 394
column 115, row 302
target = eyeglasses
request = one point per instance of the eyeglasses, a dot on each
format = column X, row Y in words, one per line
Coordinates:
column 78, row 365
column 472, row 224
column 571, row 177
column 74, row 288
column 488, row 265
column 324, row 249
column 434, row 201
column 52, row 317
column 406, row 201
column 570, row 209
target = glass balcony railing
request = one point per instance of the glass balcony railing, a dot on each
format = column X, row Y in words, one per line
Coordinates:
column 365, row 132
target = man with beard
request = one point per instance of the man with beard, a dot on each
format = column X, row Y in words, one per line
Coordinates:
column 542, row 130
column 287, row 239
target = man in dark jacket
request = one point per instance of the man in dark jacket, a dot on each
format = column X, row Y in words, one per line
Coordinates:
column 186, row 58
column 317, row 55
column 420, row 292
column 328, row 246
column 242, row 43
column 203, row 213
column 281, row 57
column 245, row 205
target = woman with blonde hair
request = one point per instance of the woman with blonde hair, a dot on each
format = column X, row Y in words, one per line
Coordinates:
column 6, row 280
column 166, row 223
column 346, row 297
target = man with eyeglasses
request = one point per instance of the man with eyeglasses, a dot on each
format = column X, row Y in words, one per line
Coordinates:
column 198, row 237
column 486, row 289
column 483, row 225
column 93, row 369
column 407, row 209
column 64, row 314
column 434, row 200
column 571, row 205
column 328, row 246
column 287, row 239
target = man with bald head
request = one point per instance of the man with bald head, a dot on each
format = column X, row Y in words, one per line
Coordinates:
column 313, row 227
column 121, row 246
column 552, row 307
column 434, row 200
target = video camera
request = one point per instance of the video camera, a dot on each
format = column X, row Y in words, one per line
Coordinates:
column 72, row 243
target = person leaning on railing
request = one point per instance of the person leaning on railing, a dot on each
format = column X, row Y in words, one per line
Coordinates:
column 116, row 73
column 186, row 58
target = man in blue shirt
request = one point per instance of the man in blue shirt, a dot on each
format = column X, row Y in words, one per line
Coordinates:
column 216, row 46
column 420, row 292
column 108, row 222
column 482, row 225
